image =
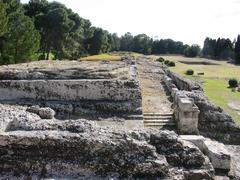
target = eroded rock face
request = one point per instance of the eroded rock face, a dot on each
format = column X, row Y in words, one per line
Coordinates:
column 214, row 122
column 218, row 154
column 44, row 113
column 79, row 148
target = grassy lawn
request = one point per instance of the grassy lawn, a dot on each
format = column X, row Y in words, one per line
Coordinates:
column 99, row 57
column 215, row 80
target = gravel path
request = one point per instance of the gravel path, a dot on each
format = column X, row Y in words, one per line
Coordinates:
column 154, row 97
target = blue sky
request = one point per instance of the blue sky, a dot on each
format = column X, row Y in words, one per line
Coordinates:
column 189, row 21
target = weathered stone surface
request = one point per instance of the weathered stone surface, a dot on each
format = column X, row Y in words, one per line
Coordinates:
column 185, row 111
column 214, row 122
column 98, row 86
column 54, row 148
column 69, row 90
column 44, row 113
column 218, row 154
column 183, row 83
column 221, row 178
column 67, row 70
column 9, row 114
column 195, row 139
column 235, row 159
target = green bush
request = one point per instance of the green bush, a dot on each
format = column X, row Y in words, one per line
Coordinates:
column 233, row 83
column 166, row 62
column 41, row 57
column 171, row 64
column 189, row 72
column 161, row 59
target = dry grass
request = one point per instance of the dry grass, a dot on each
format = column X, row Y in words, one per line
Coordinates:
column 100, row 57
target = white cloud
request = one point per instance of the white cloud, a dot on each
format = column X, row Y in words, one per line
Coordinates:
column 189, row 21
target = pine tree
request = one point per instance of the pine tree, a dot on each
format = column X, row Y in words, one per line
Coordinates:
column 3, row 18
column 22, row 38
column 3, row 25
column 237, row 50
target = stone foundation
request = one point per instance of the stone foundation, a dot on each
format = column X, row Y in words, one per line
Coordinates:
column 108, row 91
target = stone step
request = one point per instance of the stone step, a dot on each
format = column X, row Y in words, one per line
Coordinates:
column 159, row 124
column 157, row 117
column 158, row 114
column 159, row 121
column 135, row 117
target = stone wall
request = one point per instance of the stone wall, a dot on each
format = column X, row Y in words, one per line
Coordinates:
column 183, row 83
column 69, row 90
column 185, row 110
column 213, row 122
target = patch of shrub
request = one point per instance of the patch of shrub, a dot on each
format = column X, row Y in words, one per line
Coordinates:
column 189, row 72
column 161, row 59
column 171, row 64
column 166, row 62
column 233, row 83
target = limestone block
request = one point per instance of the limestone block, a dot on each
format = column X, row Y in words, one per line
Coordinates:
column 187, row 126
column 69, row 90
column 185, row 104
column 174, row 91
column 44, row 113
column 218, row 154
column 195, row 139
column 221, row 178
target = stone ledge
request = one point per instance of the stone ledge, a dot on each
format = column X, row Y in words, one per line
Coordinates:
column 217, row 152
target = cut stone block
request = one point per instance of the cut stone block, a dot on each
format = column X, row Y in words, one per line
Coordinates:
column 196, row 140
column 185, row 104
column 221, row 178
column 218, row 154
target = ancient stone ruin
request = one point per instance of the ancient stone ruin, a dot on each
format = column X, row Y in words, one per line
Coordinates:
column 129, row 119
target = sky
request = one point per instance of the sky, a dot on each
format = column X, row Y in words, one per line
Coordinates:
column 189, row 21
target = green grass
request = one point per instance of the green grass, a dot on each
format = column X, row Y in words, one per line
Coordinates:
column 35, row 56
column 100, row 57
column 215, row 81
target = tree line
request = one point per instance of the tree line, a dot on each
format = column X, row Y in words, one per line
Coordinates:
column 40, row 28
column 222, row 48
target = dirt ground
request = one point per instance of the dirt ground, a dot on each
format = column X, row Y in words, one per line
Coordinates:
column 154, row 97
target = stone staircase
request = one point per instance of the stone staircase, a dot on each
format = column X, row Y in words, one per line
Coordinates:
column 159, row 120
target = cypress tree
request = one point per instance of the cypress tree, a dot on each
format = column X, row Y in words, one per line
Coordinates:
column 237, row 50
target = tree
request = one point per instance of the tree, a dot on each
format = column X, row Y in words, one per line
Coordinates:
column 192, row 51
column 167, row 46
column 63, row 32
column 218, row 48
column 142, row 44
column 3, row 25
column 99, row 43
column 208, row 48
column 237, row 50
column 114, row 41
column 35, row 7
column 3, row 18
column 22, row 39
column 126, row 42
